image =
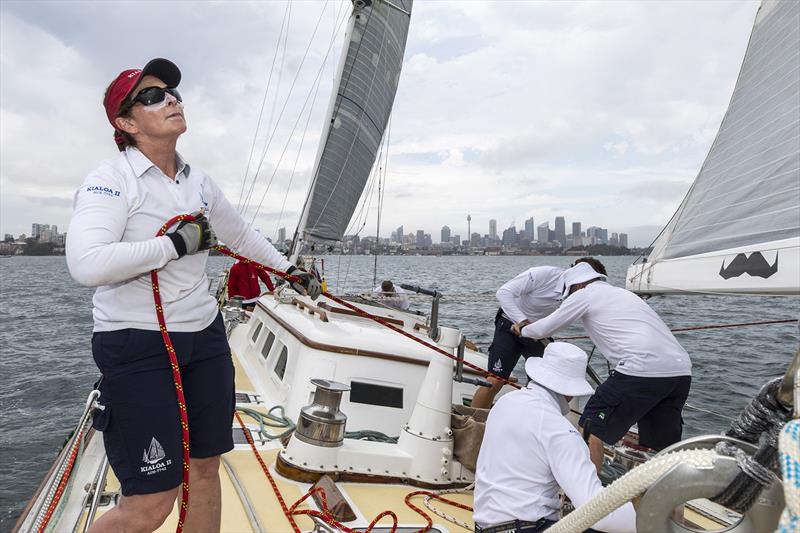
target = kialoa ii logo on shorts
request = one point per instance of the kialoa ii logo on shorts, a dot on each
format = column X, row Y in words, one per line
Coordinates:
column 101, row 189
column 154, row 459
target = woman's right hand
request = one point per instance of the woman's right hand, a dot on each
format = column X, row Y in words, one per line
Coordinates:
column 192, row 236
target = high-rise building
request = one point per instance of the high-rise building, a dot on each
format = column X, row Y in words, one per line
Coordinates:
column 475, row 239
column 493, row 229
column 576, row 232
column 420, row 238
column 36, row 230
column 530, row 232
column 510, row 237
column 445, row 234
column 623, row 240
column 614, row 240
column 542, row 233
column 281, row 235
column 561, row 231
column 399, row 234
column 603, row 235
column 456, row 239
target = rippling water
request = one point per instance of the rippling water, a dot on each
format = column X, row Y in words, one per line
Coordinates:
column 47, row 369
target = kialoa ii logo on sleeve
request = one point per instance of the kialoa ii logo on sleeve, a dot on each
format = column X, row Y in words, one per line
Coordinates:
column 102, row 189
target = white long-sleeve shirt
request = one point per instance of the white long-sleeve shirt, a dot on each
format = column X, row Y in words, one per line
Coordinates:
column 111, row 243
column 626, row 330
column 529, row 450
column 398, row 299
column 532, row 295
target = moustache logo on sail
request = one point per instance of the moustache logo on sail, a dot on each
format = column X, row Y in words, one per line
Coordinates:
column 755, row 265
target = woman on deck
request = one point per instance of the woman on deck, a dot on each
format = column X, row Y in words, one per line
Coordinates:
column 111, row 245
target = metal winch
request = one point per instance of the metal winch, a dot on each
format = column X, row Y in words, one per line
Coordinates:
column 322, row 423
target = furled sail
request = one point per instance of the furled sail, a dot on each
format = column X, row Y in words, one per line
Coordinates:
column 357, row 117
column 738, row 228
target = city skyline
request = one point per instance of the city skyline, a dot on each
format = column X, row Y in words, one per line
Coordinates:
column 615, row 135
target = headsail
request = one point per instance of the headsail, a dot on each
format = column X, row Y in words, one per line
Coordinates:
column 738, row 229
column 357, row 117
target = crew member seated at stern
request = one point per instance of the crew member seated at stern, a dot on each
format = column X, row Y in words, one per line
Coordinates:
column 112, row 245
column 651, row 374
column 392, row 295
column 527, row 297
column 530, row 449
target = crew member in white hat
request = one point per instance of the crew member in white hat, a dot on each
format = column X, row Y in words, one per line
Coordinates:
column 652, row 372
column 530, row 449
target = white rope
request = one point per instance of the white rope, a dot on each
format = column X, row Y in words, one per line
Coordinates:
column 628, row 487
column 789, row 443
column 441, row 514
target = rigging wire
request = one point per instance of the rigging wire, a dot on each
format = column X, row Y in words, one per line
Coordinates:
column 297, row 157
column 380, row 200
column 289, row 138
column 263, row 104
column 283, row 109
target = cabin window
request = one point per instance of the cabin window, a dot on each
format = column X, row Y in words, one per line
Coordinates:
column 256, row 332
column 372, row 394
column 267, row 345
column 280, row 366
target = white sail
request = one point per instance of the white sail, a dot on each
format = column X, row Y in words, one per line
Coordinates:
column 738, row 229
column 357, row 117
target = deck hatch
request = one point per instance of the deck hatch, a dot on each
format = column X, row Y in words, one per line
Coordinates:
column 240, row 438
column 372, row 394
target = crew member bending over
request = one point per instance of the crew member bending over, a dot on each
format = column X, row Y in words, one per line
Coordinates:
column 530, row 449
column 111, row 245
column 243, row 282
column 652, row 372
column 392, row 295
column 529, row 296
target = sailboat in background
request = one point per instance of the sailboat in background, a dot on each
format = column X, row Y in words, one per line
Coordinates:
column 737, row 231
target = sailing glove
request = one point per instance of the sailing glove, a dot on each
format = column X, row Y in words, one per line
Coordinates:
column 193, row 236
column 308, row 283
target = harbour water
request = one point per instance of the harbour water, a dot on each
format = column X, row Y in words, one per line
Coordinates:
column 47, row 368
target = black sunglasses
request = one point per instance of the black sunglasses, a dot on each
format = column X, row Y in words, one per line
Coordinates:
column 155, row 95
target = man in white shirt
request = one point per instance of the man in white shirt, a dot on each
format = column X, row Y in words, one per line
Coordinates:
column 527, row 297
column 651, row 372
column 530, row 449
column 392, row 295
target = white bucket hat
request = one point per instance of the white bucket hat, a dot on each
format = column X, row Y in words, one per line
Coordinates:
column 562, row 369
column 580, row 273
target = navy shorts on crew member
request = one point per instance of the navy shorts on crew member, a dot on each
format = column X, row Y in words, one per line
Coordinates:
column 654, row 403
column 140, row 420
column 506, row 348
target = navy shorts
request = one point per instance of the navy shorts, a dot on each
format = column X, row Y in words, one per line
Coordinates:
column 506, row 348
column 140, row 420
column 655, row 404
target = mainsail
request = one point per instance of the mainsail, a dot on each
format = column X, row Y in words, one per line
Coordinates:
column 738, row 228
column 357, row 117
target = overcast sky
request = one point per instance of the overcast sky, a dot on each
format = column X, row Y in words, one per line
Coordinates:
column 600, row 112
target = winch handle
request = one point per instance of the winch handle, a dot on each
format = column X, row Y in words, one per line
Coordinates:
column 420, row 290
